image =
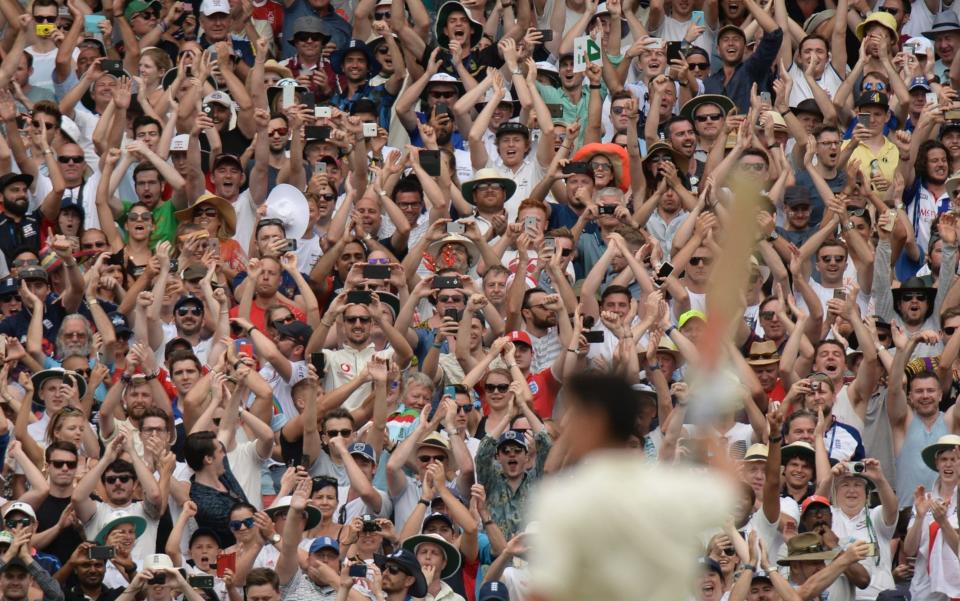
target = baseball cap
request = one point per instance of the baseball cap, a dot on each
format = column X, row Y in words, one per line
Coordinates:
column 297, row 331
column 363, row 449
column 511, row 127
column 188, row 299
column 436, row 515
column 34, row 272
column 710, row 565
column 213, row 7
column 139, row 6
column 120, row 324
column 218, row 97
column 512, row 437
column 227, row 158
column 494, row 591
column 9, row 285
column 324, row 542
column 22, row 508
column 919, row 82
column 520, row 336
column 208, row 532
column 691, row 314
column 873, row 98
column 179, row 143
column 812, row 500
column 796, row 195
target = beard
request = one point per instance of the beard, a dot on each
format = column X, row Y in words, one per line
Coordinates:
column 15, row 207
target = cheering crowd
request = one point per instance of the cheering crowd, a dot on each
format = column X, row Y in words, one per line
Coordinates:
column 320, row 299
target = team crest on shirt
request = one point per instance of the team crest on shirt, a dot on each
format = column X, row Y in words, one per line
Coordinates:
column 345, row 368
column 534, row 388
column 28, row 230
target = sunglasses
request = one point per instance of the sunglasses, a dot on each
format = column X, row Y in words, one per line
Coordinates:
column 37, row 122
column 93, row 245
column 280, row 131
column 698, row 260
column 308, row 37
column 383, row 50
column 496, row 387
column 464, row 408
column 392, row 569
column 327, row 197
column 874, row 87
column 383, row 261
column 855, row 212
column 25, row 262
column 909, row 296
column 487, row 186
column 60, row 464
column 83, row 372
column 799, row 208
column 618, row 110
column 205, row 212
column 191, row 310
column 115, row 479
column 139, row 216
column 343, row 433
column 381, row 16
column 767, row 315
column 6, row 298
column 600, row 165
column 728, row 551
column 236, row 525
column 14, row 522
column 444, row 95
column 357, row 319
column 758, row 167
column 76, row 160
column 833, row 258
column 710, row 117
column 429, row 458
column 889, row 9
column 449, row 299
column 276, row 323
column 698, row 66
column 566, row 252
column 949, row 330
column 45, row 19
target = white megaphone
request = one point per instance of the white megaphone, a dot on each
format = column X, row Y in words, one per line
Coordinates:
column 289, row 205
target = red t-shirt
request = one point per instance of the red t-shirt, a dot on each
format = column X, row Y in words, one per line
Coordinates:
column 272, row 12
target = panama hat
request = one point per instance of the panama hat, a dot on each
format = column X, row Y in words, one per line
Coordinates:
column 487, row 175
column 228, row 215
column 449, row 551
column 944, row 443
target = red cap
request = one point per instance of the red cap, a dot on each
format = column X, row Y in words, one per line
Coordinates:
column 811, row 500
column 520, row 336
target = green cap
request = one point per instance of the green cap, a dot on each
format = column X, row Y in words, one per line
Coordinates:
column 138, row 6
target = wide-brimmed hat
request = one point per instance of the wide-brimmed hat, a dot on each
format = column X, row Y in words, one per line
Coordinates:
column 923, row 285
column 507, row 99
column 666, row 345
column 690, row 107
column 617, row 156
column 490, row 176
column 272, row 66
column 336, row 59
column 951, row 184
column 798, row 449
column 944, row 443
column 282, row 505
column 817, row 19
column 309, row 24
column 56, row 372
column 449, row 551
column 473, row 253
column 942, row 23
column 228, row 215
column 807, row 547
column 886, row 20
column 757, row 452
column 476, row 29
column 550, row 71
column 118, row 518
column 809, row 106
column 763, row 353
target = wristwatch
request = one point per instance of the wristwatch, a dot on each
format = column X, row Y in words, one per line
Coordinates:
column 849, row 226
column 773, row 236
column 275, row 539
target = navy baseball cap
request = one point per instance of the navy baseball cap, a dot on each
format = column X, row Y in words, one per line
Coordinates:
column 324, row 542
column 9, row 285
column 512, row 437
column 363, row 449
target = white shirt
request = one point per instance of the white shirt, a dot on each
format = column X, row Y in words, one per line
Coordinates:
column 146, row 543
column 246, row 219
column 527, row 176
column 868, row 526
column 673, row 30
column 344, row 364
column 282, row 388
column 91, row 220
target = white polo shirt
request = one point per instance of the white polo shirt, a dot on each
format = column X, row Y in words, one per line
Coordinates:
column 344, row 364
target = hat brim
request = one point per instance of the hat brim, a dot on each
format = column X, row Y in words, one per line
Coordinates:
column 928, row 293
column 929, row 454
column 722, row 102
column 451, row 552
column 818, row 556
column 62, row 374
column 476, row 29
column 617, row 156
column 139, row 524
column 786, row 454
column 760, row 362
column 509, row 186
column 927, row 34
column 419, row 588
column 228, row 215
column 515, row 107
column 313, row 514
column 373, row 65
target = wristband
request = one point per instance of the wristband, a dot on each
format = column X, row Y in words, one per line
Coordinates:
column 594, row 87
column 775, row 439
column 486, row 523
column 749, row 566
column 653, row 367
column 250, row 329
column 669, row 330
column 573, row 350
column 425, row 502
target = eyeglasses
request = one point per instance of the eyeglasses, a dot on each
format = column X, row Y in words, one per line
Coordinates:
column 45, row 19
column 600, row 165
column 697, row 66
column 856, row 212
column 14, row 522
column 445, row 298
column 6, row 298
column 25, row 262
column 496, row 387
column 77, row 335
column 829, row 143
column 698, row 260
column 236, row 525
column 618, row 110
column 465, row 408
column 308, row 36
column 189, row 310
column 76, row 160
column 767, row 315
column 758, row 167
column 37, row 122
column 382, row 261
column 909, row 296
column 205, row 212
column 833, row 258
column 343, row 433
column 115, row 479
column 93, row 245
column 280, row 131
column 60, row 464
column 357, row 318
column 874, row 87
column 949, row 330
column 381, row 16
column 429, row 458
column 487, row 186
column 145, row 216
column 710, row 117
